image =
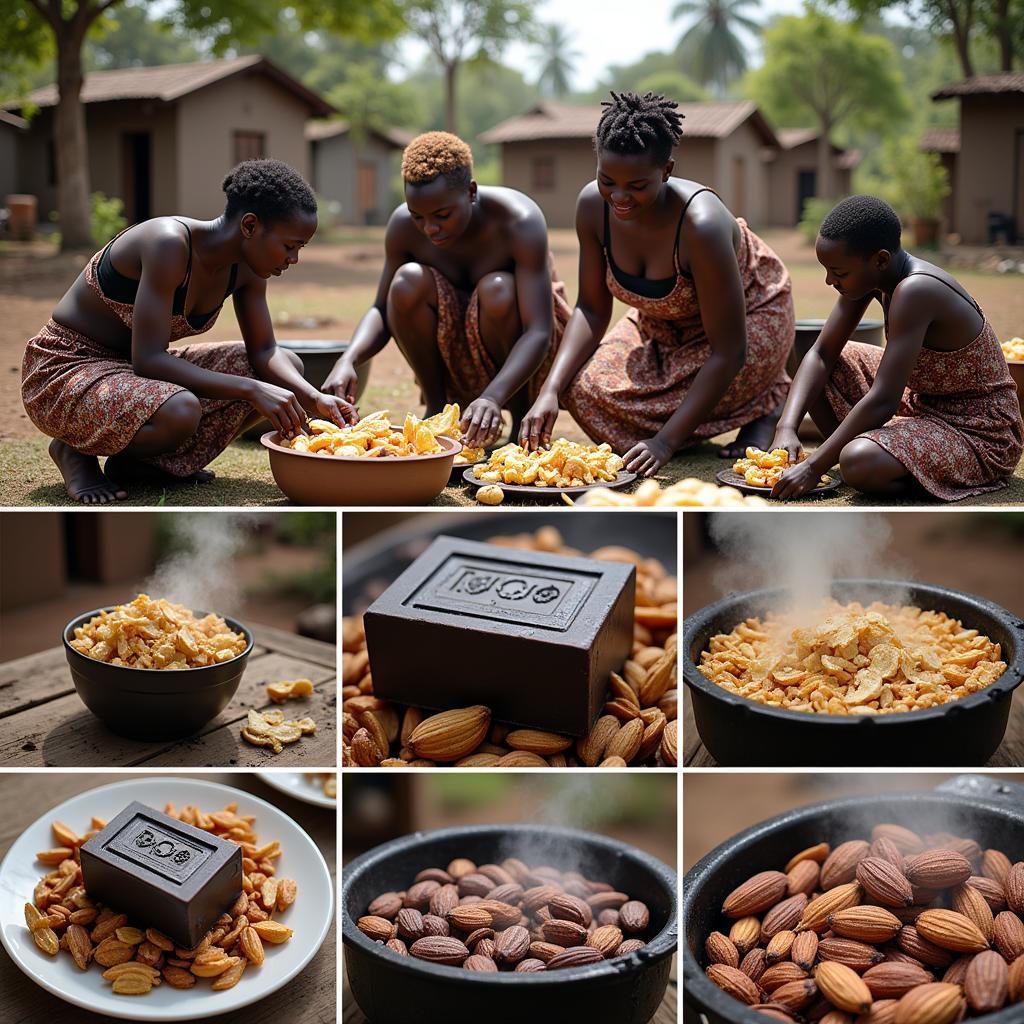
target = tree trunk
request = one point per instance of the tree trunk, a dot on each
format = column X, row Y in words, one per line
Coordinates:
column 961, row 35
column 450, row 71
column 825, row 189
column 1004, row 33
column 70, row 144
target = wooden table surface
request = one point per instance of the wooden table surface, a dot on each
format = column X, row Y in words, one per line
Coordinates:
column 43, row 723
column 1009, row 754
column 667, row 1012
column 310, row 998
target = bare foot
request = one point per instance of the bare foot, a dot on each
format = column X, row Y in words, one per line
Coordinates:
column 125, row 469
column 757, row 434
column 82, row 476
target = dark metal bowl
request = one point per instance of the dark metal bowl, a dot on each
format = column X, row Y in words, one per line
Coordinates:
column 983, row 808
column 371, row 566
column 392, row 989
column 154, row 704
column 738, row 731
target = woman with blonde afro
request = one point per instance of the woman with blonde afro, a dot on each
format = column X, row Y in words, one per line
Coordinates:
column 467, row 291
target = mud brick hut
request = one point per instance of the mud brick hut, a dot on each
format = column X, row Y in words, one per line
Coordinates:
column 986, row 157
column 162, row 138
column 358, row 173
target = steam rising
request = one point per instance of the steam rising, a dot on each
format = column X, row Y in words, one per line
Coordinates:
column 199, row 574
column 802, row 551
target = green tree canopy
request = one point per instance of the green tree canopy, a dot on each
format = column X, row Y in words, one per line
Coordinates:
column 662, row 68
column 459, row 31
column 822, row 73
column 715, row 46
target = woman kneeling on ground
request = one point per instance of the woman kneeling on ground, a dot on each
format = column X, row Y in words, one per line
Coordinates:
column 936, row 407
column 703, row 349
column 468, row 291
column 101, row 379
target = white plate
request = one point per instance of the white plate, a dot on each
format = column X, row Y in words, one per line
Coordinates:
column 310, row 916
column 298, row 785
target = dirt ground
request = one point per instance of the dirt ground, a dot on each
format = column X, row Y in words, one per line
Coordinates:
column 324, row 296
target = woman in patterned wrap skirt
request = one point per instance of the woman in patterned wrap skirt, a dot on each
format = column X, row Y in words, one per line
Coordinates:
column 468, row 291
column 101, row 379
column 936, row 409
column 703, row 348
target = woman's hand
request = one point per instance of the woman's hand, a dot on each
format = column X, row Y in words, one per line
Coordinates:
column 787, row 438
column 279, row 406
column 538, row 423
column 342, row 381
column 797, row 480
column 480, row 423
column 335, row 409
column 645, row 458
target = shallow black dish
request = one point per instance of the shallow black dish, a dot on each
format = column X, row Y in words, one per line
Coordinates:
column 738, row 731
column 984, row 809
column 392, row 989
column 731, row 479
column 154, row 704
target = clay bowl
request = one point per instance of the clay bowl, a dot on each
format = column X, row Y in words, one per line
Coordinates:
column 154, row 704
column 327, row 480
column 392, row 989
column 1017, row 373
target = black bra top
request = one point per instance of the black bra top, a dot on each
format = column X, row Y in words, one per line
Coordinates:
column 649, row 288
column 119, row 288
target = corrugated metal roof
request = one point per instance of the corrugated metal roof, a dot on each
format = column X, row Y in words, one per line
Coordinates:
column 170, row 82
column 318, row 130
column 790, row 138
column 941, row 141
column 557, row 121
column 981, row 84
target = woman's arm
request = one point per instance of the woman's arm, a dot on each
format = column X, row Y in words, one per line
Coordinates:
column 716, row 277
column 815, row 369
column 584, row 331
column 372, row 332
column 908, row 324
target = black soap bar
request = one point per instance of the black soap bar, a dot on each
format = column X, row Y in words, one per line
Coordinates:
column 532, row 636
column 162, row 872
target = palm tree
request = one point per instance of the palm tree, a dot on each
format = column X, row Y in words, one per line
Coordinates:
column 712, row 47
column 556, row 57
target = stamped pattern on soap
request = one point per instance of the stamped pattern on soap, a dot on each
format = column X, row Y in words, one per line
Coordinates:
column 167, row 853
column 527, row 595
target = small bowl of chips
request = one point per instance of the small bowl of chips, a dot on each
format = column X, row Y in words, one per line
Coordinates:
column 372, row 462
column 153, row 670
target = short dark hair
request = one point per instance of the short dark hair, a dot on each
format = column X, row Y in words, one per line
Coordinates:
column 436, row 153
column 631, row 123
column 865, row 223
column 269, row 188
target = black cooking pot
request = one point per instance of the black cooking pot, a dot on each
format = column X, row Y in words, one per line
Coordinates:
column 985, row 809
column 738, row 731
column 150, row 703
column 392, row 989
column 369, row 568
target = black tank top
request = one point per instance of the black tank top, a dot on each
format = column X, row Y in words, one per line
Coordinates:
column 120, row 288
column 649, row 288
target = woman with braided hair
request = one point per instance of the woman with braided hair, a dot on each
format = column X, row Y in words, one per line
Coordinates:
column 468, row 292
column 703, row 348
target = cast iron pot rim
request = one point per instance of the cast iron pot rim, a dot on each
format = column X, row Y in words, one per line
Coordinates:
column 663, row 944
column 79, row 620
column 694, row 978
column 268, row 442
column 1002, row 687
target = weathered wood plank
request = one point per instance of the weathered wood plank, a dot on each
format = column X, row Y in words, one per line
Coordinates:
column 63, row 732
column 309, row 998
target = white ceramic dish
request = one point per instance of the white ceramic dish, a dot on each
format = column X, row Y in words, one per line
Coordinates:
column 310, row 916
column 300, row 786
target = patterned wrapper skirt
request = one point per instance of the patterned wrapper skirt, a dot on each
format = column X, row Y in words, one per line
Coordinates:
column 81, row 393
